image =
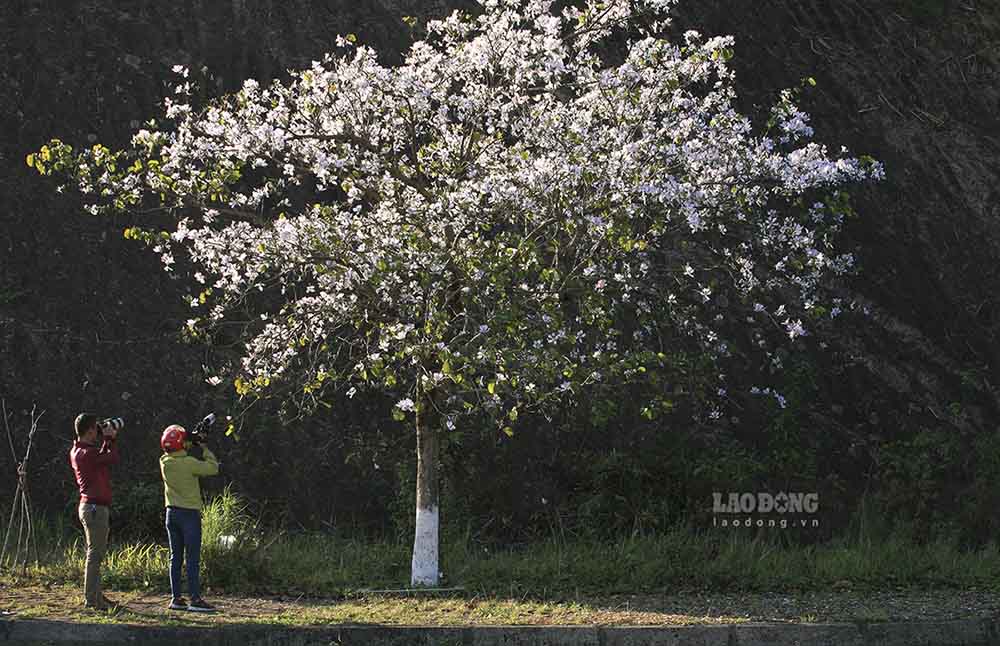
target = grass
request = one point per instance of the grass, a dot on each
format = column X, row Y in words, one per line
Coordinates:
column 142, row 607
column 682, row 576
column 319, row 565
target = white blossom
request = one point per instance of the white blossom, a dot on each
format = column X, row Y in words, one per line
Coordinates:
column 493, row 208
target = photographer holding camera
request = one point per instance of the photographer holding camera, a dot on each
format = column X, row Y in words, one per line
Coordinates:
column 182, row 492
column 93, row 453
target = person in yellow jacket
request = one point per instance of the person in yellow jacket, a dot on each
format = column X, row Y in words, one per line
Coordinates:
column 182, row 493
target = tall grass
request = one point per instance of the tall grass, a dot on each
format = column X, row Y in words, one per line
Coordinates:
column 229, row 543
column 237, row 557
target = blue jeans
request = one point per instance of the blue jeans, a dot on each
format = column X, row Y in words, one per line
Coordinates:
column 184, row 532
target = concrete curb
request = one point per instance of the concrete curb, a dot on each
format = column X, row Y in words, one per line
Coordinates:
column 970, row 632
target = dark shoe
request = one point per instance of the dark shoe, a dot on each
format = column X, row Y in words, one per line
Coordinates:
column 109, row 602
column 178, row 603
column 200, row 605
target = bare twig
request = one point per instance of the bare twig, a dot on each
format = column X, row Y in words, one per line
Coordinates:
column 894, row 109
column 25, row 544
column 6, row 420
column 923, row 114
column 17, row 492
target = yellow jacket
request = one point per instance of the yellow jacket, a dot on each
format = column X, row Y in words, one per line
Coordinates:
column 181, row 473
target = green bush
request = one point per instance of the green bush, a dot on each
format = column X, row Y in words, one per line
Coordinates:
column 138, row 511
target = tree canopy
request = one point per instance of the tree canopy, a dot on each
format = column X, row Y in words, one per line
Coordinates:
column 503, row 218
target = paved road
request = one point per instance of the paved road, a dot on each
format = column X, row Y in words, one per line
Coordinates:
column 973, row 632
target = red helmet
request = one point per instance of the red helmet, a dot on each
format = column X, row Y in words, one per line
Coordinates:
column 173, row 438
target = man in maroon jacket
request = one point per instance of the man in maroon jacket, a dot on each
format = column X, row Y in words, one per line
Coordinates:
column 91, row 457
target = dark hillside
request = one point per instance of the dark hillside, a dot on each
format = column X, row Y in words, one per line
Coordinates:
column 902, row 407
column 915, row 84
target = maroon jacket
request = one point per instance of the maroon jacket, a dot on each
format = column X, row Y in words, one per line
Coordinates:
column 92, row 468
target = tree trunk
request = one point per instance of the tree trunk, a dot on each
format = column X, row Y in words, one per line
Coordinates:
column 424, row 570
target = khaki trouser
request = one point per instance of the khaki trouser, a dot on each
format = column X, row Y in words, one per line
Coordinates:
column 95, row 528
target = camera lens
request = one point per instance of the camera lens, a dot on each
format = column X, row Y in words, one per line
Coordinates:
column 116, row 423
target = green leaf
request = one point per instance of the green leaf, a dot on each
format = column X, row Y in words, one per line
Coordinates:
column 30, row 161
column 811, row 81
column 491, row 387
column 512, row 414
column 351, row 38
column 398, row 415
column 509, row 431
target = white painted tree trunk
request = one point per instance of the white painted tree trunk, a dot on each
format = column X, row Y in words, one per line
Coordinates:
column 424, row 569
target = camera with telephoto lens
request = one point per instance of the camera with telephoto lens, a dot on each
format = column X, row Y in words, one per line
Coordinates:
column 197, row 434
column 110, row 424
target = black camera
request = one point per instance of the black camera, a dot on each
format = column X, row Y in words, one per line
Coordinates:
column 197, row 434
column 111, row 424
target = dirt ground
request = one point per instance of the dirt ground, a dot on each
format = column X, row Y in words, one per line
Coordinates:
column 34, row 600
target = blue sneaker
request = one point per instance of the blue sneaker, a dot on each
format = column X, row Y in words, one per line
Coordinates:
column 200, row 605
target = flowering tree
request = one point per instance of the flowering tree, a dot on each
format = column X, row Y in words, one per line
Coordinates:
column 495, row 224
